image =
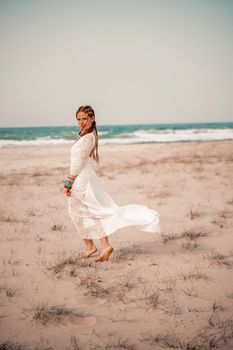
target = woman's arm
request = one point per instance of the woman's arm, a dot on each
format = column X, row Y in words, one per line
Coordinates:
column 77, row 164
column 86, row 145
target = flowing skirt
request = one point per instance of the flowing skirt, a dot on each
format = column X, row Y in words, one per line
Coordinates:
column 96, row 215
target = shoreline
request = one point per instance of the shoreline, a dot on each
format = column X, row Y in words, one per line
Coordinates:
column 116, row 144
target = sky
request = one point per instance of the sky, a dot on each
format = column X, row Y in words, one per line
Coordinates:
column 134, row 62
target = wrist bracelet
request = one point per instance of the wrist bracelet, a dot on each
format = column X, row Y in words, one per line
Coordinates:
column 68, row 185
column 69, row 178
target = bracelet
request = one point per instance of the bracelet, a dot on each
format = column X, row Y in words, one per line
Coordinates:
column 70, row 179
column 68, row 185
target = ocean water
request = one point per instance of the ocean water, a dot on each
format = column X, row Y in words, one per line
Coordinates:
column 117, row 134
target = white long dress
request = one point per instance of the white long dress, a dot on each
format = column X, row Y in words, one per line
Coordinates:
column 92, row 210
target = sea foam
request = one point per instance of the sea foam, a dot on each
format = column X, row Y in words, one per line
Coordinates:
column 115, row 135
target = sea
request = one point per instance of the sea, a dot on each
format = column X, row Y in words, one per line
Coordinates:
column 117, row 134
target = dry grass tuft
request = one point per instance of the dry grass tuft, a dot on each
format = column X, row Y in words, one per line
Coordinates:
column 193, row 233
column 71, row 261
column 190, row 245
column 10, row 292
column 10, row 261
column 168, row 284
column 169, row 340
column 216, row 334
column 169, row 237
column 190, row 235
column 55, row 313
column 121, row 256
column 119, row 344
column 217, row 307
column 117, row 292
column 219, row 259
column 11, row 346
column 163, row 297
column 39, row 347
column 196, row 274
column 215, row 321
column 8, row 218
column 121, row 289
column 16, row 346
column 92, row 286
column 153, row 298
column 196, row 309
column 226, row 214
column 129, row 253
column 170, row 307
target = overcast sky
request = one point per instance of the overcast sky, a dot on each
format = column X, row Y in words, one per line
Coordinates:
column 146, row 61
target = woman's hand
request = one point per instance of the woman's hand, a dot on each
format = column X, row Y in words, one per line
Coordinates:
column 67, row 192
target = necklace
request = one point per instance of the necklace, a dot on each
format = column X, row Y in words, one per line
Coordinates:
column 79, row 136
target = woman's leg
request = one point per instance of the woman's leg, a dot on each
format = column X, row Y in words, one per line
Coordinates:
column 107, row 249
column 91, row 248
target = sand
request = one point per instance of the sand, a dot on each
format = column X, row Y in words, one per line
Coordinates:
column 173, row 290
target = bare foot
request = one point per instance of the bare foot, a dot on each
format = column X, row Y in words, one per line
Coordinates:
column 90, row 252
column 105, row 255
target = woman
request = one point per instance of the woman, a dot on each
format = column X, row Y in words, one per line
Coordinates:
column 92, row 210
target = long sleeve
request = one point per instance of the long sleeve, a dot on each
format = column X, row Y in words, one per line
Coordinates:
column 80, row 154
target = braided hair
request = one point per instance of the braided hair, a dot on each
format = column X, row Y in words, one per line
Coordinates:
column 88, row 110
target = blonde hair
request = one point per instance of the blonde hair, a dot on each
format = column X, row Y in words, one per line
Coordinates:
column 89, row 111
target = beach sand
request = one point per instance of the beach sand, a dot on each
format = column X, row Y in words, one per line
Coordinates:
column 173, row 290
